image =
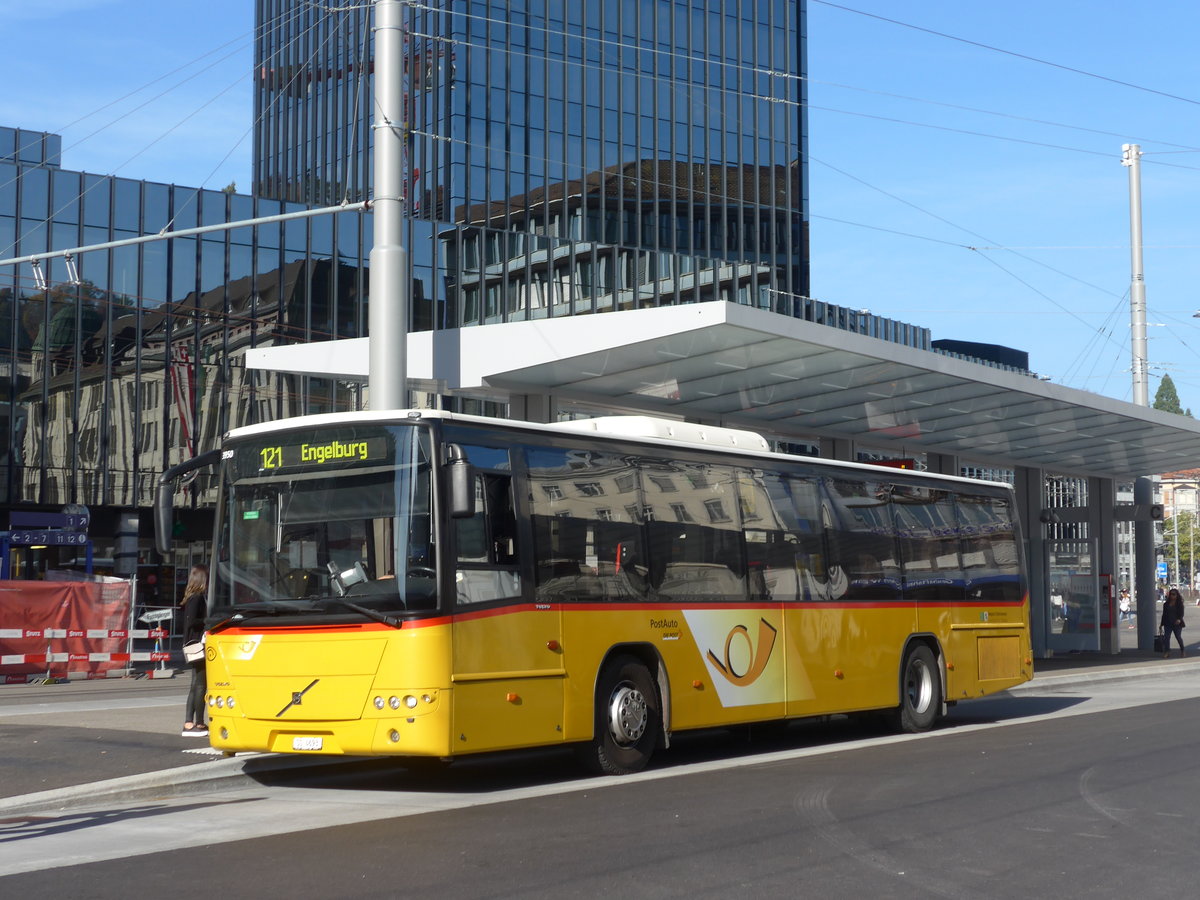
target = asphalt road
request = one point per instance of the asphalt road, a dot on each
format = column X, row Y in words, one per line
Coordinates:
column 1075, row 791
column 55, row 736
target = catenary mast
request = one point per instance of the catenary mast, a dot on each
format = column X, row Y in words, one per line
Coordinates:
column 388, row 280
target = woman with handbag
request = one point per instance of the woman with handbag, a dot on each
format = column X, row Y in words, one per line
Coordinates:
column 195, row 607
column 1172, row 621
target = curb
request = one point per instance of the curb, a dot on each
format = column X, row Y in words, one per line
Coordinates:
column 1145, row 669
column 176, row 782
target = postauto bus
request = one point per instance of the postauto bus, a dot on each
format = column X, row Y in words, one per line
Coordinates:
column 429, row 585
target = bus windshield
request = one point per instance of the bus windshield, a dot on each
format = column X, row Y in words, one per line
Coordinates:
column 326, row 520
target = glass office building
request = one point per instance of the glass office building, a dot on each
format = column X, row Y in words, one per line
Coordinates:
column 122, row 362
column 563, row 156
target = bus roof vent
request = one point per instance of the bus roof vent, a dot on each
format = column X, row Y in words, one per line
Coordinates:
column 669, row 430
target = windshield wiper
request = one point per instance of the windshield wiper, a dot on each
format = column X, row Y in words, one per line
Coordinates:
column 254, row 610
column 372, row 614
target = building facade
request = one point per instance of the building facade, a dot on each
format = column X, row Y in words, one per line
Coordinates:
column 563, row 156
column 122, row 362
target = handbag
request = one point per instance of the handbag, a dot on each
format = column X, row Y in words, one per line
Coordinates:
column 194, row 651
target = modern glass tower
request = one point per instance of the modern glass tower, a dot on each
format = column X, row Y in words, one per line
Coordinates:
column 564, row 156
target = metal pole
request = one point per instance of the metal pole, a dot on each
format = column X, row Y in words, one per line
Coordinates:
column 1143, row 488
column 188, row 232
column 1191, row 554
column 1132, row 159
column 1175, row 530
column 387, row 318
column 129, row 634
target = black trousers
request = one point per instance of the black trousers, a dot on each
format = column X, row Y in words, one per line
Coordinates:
column 195, row 698
column 1168, row 630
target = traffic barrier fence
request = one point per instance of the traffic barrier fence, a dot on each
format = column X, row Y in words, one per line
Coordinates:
column 69, row 630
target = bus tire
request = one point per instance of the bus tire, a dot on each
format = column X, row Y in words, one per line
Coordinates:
column 920, row 691
column 628, row 719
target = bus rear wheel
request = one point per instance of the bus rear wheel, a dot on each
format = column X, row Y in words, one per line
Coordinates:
column 920, row 691
column 628, row 719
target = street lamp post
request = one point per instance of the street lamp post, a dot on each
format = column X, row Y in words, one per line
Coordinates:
column 1175, row 532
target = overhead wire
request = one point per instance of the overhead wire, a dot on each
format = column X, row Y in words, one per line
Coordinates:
column 1013, row 53
column 992, row 112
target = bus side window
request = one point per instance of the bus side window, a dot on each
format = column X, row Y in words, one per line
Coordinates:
column 587, row 534
column 693, row 516
column 786, row 548
column 862, row 539
column 991, row 557
column 487, row 543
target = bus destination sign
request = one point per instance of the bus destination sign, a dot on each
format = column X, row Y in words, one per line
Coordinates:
column 317, row 454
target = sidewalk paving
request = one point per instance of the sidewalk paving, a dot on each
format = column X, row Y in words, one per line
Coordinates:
column 120, row 738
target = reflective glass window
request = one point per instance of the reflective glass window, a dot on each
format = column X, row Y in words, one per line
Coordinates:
column 96, row 201
column 65, row 201
column 35, row 193
column 8, row 190
column 127, row 206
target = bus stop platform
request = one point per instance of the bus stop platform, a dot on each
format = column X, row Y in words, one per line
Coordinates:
column 1130, row 662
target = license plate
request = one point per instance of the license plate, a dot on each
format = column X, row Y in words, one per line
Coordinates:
column 307, row 743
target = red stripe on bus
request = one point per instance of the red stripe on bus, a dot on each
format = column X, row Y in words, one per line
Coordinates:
column 630, row 606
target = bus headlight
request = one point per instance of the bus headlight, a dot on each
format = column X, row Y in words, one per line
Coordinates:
column 394, row 702
column 379, row 703
column 410, row 701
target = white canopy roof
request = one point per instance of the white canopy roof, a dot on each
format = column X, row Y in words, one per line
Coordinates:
column 749, row 368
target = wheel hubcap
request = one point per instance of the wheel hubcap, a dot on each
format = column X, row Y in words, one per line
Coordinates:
column 627, row 715
column 919, row 687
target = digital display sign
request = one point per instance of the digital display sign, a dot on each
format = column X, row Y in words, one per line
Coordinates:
column 318, row 451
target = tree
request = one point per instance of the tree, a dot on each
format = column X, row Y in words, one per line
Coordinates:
column 1181, row 540
column 1166, row 397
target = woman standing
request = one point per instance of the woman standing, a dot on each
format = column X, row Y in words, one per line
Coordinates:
column 1172, row 622
column 195, row 607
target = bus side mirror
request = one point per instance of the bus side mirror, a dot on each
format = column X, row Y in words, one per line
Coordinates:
column 163, row 497
column 462, row 484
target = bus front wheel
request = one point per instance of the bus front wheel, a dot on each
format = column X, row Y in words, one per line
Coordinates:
column 628, row 719
column 920, row 691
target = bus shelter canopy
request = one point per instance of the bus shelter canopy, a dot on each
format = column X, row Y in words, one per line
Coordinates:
column 750, row 368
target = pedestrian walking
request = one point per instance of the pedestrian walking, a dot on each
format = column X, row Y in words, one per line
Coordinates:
column 195, row 608
column 1172, row 622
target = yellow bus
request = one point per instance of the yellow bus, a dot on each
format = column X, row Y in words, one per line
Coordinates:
column 428, row 584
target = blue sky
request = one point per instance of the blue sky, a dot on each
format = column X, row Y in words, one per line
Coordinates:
column 923, row 147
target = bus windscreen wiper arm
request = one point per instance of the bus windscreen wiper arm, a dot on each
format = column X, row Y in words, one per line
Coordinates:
column 253, row 611
column 390, row 621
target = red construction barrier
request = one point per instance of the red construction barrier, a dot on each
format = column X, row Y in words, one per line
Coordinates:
column 65, row 629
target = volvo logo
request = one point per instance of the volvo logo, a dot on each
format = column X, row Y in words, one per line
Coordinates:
column 297, row 698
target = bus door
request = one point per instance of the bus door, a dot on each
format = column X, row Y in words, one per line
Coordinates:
column 507, row 669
